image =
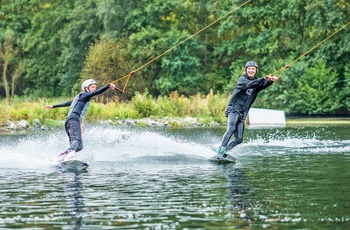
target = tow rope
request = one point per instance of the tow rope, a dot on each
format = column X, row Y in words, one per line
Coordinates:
column 280, row 71
column 304, row 54
column 198, row 32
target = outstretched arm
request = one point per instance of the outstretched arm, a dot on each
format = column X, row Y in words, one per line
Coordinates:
column 100, row 90
column 246, row 83
column 268, row 81
column 49, row 107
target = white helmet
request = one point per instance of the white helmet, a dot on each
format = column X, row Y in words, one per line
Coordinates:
column 87, row 83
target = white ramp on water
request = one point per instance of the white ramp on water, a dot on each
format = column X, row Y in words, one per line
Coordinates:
column 266, row 117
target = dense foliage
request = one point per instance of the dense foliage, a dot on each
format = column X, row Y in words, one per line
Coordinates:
column 47, row 47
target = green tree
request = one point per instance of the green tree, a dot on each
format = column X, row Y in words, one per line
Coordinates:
column 180, row 68
column 82, row 30
column 345, row 85
column 158, row 27
column 57, row 36
column 112, row 15
column 316, row 92
column 17, row 73
column 9, row 48
column 14, row 22
column 105, row 62
column 43, row 46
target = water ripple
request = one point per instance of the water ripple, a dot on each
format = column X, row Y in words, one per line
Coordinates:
column 162, row 182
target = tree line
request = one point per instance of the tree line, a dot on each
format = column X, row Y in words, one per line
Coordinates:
column 47, row 47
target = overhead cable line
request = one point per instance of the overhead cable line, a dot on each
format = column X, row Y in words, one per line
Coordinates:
column 162, row 54
column 304, row 54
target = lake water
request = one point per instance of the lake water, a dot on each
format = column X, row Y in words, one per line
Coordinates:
column 285, row 178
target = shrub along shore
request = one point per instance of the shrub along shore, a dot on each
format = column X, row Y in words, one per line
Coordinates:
column 205, row 109
column 142, row 110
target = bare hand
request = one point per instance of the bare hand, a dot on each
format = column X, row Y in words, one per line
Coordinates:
column 49, row 107
column 271, row 78
column 111, row 85
column 274, row 78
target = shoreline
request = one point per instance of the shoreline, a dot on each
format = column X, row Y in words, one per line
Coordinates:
column 177, row 122
column 318, row 120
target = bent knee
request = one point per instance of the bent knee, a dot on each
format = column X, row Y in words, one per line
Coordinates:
column 239, row 141
column 80, row 147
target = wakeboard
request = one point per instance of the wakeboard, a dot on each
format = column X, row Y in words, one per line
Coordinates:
column 223, row 158
column 73, row 165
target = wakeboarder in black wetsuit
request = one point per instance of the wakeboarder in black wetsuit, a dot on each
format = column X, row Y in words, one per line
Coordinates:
column 247, row 88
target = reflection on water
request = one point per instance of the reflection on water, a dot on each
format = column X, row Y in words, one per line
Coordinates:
column 294, row 177
column 75, row 200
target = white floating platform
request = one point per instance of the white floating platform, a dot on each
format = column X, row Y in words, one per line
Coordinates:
column 265, row 117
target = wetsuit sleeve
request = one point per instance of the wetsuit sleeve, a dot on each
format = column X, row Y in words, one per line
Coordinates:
column 99, row 91
column 245, row 83
column 265, row 84
column 65, row 104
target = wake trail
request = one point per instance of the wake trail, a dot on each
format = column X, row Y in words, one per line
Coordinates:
column 103, row 144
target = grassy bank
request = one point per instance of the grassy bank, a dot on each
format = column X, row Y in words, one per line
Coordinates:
column 208, row 108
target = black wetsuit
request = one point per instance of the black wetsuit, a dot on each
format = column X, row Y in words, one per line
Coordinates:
column 78, row 108
column 238, row 107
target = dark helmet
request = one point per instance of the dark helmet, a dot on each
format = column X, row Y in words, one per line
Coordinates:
column 251, row 63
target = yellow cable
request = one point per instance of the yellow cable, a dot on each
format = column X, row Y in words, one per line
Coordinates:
column 133, row 72
column 287, row 66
